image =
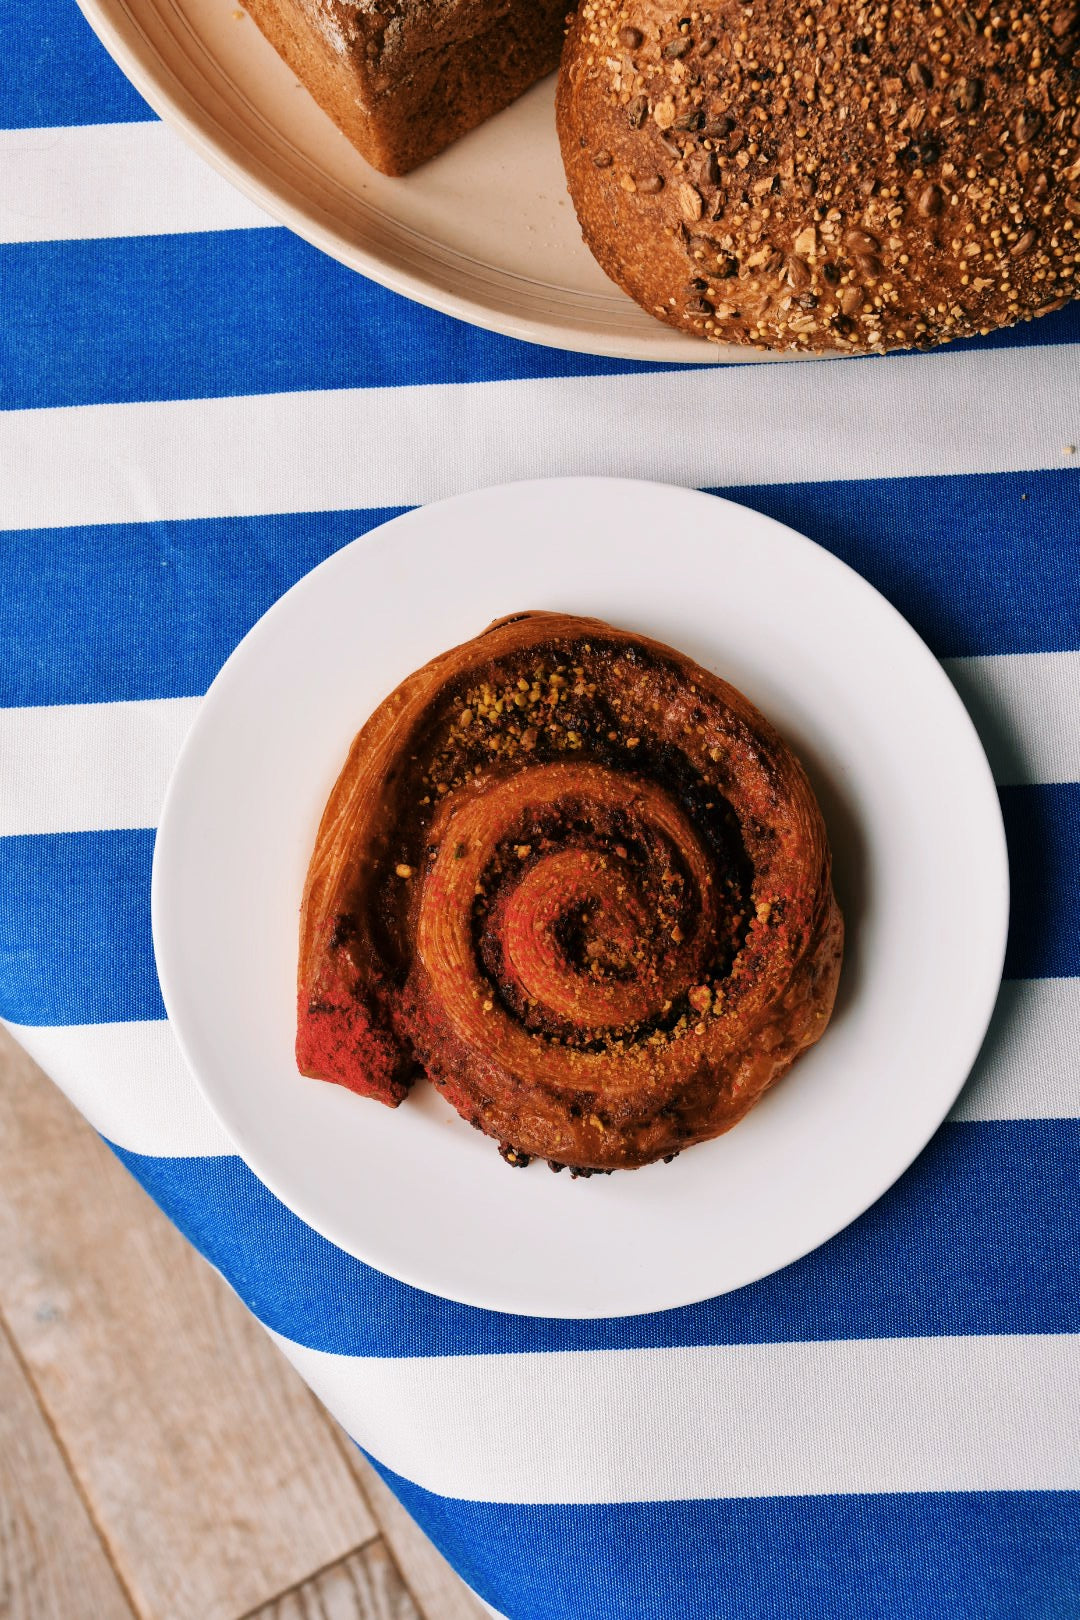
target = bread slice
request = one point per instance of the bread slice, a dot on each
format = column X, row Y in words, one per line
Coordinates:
column 403, row 78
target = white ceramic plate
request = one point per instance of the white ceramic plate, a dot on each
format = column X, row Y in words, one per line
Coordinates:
column 921, row 873
column 485, row 232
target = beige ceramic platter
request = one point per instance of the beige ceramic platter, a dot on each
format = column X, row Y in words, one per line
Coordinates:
column 485, row 231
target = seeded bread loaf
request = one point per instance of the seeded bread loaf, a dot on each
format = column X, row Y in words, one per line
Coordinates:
column 830, row 174
column 404, row 78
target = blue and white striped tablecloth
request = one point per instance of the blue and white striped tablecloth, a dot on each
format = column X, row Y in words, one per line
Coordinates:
column 196, row 408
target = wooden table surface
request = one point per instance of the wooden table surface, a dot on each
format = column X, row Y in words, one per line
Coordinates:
column 158, row 1457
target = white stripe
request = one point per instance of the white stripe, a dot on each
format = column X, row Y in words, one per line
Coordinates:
column 948, row 412
column 1027, row 710
column 1028, row 1066
column 131, row 1083
column 933, row 1414
column 112, row 180
column 91, row 766
column 88, row 766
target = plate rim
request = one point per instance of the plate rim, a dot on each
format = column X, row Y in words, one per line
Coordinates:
column 116, row 28
column 999, row 880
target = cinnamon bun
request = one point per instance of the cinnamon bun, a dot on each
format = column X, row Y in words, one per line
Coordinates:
column 579, row 883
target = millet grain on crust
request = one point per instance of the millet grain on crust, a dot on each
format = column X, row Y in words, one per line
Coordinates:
column 828, row 176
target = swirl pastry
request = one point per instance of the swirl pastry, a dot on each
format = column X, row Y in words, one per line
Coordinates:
column 578, row 882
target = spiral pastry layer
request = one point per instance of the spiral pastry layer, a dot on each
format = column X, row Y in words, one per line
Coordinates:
column 582, row 885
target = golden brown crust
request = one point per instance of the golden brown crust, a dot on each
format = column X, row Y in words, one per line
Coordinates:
column 582, row 884
column 404, row 78
column 836, row 175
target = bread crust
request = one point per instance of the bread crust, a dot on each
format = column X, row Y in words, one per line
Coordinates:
column 403, row 78
column 580, row 883
column 838, row 176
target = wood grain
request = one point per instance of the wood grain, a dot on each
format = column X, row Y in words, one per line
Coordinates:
column 211, row 1475
column 52, row 1563
column 364, row 1586
column 439, row 1591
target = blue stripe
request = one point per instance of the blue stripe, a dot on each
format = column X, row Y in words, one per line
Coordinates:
column 1062, row 326
column 81, row 304
column 983, row 563
column 53, row 71
column 980, row 1236
column 142, row 610
column 299, row 321
column 1043, row 829
column 75, row 943
column 972, row 1555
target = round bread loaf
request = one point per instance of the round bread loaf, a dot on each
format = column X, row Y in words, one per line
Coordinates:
column 828, row 176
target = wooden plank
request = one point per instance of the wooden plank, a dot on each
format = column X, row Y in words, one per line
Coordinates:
column 52, row 1564
column 440, row 1593
column 206, row 1465
column 364, row 1586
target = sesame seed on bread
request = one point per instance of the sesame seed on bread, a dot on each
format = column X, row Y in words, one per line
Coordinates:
column 830, row 174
